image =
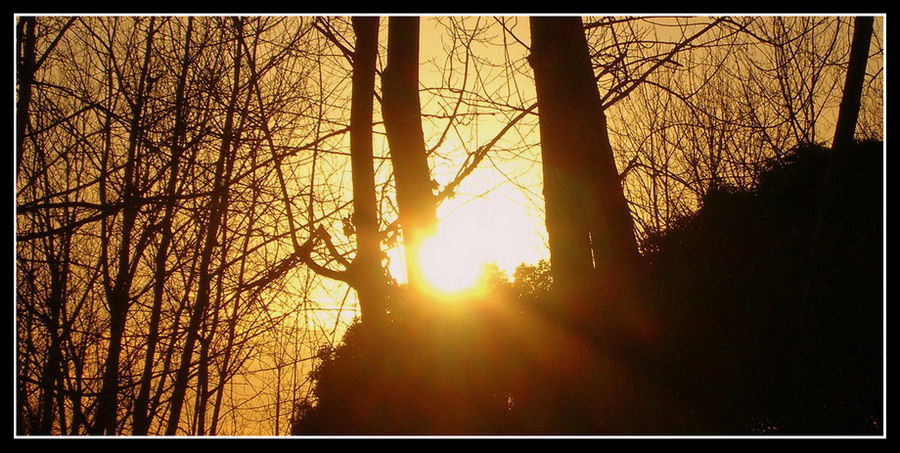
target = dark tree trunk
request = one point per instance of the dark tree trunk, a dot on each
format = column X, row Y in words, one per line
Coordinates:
column 119, row 296
column 141, row 417
column 210, row 241
column 806, row 379
column 367, row 274
column 856, row 73
column 593, row 252
column 592, row 245
column 25, row 66
column 52, row 371
column 403, row 125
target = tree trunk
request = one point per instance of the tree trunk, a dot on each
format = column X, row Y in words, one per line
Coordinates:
column 119, row 295
column 52, row 371
column 232, row 321
column 368, row 276
column 856, row 74
column 805, row 378
column 403, row 125
column 593, row 252
column 219, row 195
column 141, row 418
column 24, row 77
column 592, row 243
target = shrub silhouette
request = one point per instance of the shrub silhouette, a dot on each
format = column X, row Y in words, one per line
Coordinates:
column 773, row 298
column 444, row 372
column 771, row 309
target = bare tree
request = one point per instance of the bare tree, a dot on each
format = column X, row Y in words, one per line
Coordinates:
column 223, row 169
column 403, row 125
column 25, row 44
column 592, row 244
column 369, row 276
column 856, row 71
column 119, row 291
column 141, row 420
column 188, row 189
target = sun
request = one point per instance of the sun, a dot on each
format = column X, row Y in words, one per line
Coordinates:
column 452, row 260
column 491, row 223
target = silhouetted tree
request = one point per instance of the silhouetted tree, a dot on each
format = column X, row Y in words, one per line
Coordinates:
column 120, row 127
column 179, row 181
column 592, row 243
column 212, row 232
column 119, row 290
column 735, row 93
column 403, row 126
column 141, row 419
column 368, row 276
column 853, row 86
column 25, row 61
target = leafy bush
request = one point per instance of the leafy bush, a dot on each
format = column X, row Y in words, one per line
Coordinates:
column 773, row 298
column 771, row 308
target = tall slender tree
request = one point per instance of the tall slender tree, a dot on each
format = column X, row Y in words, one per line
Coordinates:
column 592, row 244
column 210, row 241
column 403, row 125
column 853, row 86
column 368, row 277
column 141, row 418
column 25, row 67
column 119, row 293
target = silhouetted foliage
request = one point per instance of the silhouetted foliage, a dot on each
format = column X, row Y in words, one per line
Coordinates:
column 532, row 284
column 474, row 366
column 773, row 298
column 770, row 302
column 442, row 372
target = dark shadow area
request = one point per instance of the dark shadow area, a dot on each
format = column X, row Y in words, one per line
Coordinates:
column 767, row 309
column 773, row 299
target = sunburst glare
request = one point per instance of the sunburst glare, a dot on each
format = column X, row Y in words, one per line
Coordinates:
column 453, row 258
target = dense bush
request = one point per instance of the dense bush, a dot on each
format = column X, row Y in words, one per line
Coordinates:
column 770, row 303
column 773, row 298
column 444, row 371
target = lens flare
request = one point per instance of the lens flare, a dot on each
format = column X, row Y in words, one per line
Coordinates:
column 450, row 265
